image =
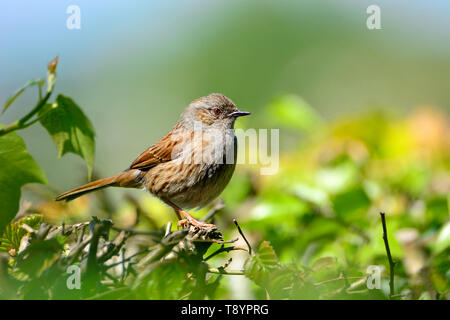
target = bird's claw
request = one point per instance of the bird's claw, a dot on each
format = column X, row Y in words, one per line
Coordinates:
column 197, row 224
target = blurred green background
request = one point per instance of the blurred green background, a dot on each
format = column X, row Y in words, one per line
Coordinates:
column 134, row 66
column 363, row 118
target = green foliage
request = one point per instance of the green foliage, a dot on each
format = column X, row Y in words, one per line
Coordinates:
column 17, row 169
column 443, row 240
column 260, row 266
column 70, row 129
column 67, row 125
column 13, row 234
column 15, row 95
column 317, row 220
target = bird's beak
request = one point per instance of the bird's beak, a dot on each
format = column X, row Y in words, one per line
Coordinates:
column 239, row 113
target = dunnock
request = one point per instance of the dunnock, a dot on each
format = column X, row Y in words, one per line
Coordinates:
column 190, row 166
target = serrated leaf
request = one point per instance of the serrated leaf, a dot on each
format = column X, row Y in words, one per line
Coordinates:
column 15, row 95
column 17, row 169
column 70, row 129
column 259, row 266
column 14, row 232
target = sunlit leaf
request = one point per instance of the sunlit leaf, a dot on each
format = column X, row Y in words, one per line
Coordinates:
column 14, row 232
column 70, row 129
column 17, row 169
column 259, row 266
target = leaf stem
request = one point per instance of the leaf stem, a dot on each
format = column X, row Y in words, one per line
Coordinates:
column 22, row 123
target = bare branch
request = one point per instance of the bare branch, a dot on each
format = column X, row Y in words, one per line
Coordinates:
column 243, row 236
column 224, row 249
column 229, row 272
column 388, row 252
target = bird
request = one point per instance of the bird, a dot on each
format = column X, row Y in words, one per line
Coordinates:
column 187, row 168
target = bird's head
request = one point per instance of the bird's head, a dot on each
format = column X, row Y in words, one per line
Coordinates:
column 213, row 111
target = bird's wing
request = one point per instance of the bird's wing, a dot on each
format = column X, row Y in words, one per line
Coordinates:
column 160, row 152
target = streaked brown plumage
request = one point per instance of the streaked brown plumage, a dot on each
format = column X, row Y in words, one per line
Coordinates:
column 188, row 167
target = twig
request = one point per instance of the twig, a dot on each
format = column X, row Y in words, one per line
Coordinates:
column 243, row 236
column 229, row 272
column 216, row 241
column 81, row 244
column 168, row 228
column 124, row 270
column 388, row 252
column 224, row 249
column 227, row 263
column 165, row 246
column 139, row 232
column 126, row 259
column 341, row 277
column 113, row 248
column 27, row 228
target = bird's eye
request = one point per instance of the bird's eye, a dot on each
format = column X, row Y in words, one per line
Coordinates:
column 216, row 111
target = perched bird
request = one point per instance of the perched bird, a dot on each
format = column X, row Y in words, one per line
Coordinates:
column 190, row 166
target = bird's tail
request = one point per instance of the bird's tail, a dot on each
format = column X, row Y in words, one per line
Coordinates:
column 127, row 179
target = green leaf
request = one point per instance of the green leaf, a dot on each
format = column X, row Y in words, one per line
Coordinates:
column 40, row 82
column 14, row 232
column 70, row 129
column 37, row 256
column 17, row 169
column 259, row 266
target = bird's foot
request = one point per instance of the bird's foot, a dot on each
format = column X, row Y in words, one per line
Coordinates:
column 191, row 221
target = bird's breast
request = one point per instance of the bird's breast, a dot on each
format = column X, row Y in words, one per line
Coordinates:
column 190, row 181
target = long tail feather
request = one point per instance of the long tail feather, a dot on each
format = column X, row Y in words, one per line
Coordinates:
column 124, row 179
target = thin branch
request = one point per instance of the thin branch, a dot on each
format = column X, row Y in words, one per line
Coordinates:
column 388, row 252
column 224, row 249
column 243, row 236
column 127, row 259
column 139, row 232
column 229, row 272
column 216, row 241
column 341, row 277
column 168, row 229
column 81, row 244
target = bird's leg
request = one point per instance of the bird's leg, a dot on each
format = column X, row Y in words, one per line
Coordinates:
column 191, row 220
column 188, row 218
